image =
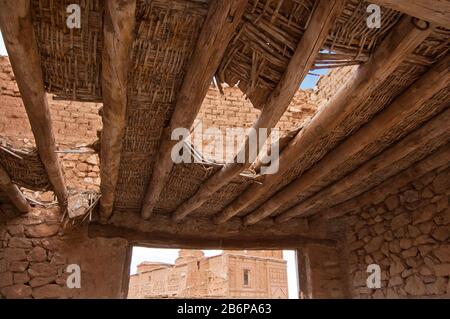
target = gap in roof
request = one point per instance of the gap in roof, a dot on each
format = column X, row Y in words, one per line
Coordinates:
column 2, row 45
column 310, row 81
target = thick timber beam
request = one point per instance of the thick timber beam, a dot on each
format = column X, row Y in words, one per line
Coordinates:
column 13, row 192
column 406, row 106
column 399, row 157
column 395, row 48
column 119, row 21
column 391, row 185
column 323, row 18
column 162, row 239
column 434, row 11
column 20, row 42
column 220, row 25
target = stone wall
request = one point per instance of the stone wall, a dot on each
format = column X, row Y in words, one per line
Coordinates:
column 35, row 251
column 408, row 235
column 35, row 248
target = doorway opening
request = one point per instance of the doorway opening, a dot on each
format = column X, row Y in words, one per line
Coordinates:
column 187, row 273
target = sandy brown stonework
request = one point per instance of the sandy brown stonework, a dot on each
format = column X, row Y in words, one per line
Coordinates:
column 77, row 123
column 35, row 252
column 408, row 235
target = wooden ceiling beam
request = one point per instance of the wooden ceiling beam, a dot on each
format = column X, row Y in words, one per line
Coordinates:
column 397, row 158
column 323, row 19
column 395, row 48
column 161, row 239
column 20, row 42
column 406, row 106
column 218, row 29
column 13, row 192
column 118, row 28
column 434, row 11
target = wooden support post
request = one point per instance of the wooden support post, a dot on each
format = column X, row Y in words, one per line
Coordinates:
column 434, row 11
column 324, row 17
column 406, row 106
column 420, row 143
column 303, row 274
column 220, row 25
column 395, row 48
column 13, row 192
column 20, row 41
column 118, row 38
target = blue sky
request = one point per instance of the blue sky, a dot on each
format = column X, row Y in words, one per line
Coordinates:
column 310, row 81
column 2, row 46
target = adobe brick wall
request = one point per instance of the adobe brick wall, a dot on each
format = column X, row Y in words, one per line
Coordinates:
column 34, row 248
column 330, row 84
column 322, row 273
column 232, row 110
column 74, row 124
column 408, row 235
column 35, row 251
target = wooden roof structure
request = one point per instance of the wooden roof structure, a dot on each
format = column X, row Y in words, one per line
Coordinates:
column 151, row 62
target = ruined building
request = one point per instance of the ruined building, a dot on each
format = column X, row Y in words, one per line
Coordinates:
column 87, row 114
column 232, row 274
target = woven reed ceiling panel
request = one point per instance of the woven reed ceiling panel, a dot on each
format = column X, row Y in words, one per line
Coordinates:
column 70, row 58
column 24, row 167
column 261, row 49
column 166, row 34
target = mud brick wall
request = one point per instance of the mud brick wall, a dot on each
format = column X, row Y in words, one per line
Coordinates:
column 35, row 251
column 408, row 235
column 232, row 110
column 322, row 273
column 74, row 124
column 328, row 85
